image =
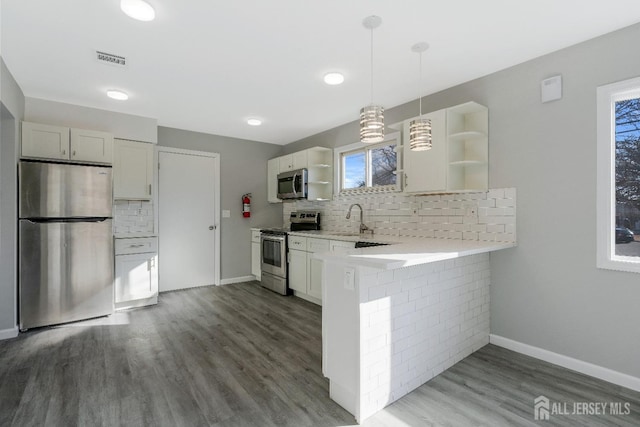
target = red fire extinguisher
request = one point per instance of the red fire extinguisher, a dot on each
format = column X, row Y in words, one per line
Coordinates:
column 246, row 205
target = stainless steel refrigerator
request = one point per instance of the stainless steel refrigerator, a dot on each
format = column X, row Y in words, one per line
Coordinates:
column 65, row 243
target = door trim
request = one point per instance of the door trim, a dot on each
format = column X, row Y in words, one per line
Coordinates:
column 216, row 212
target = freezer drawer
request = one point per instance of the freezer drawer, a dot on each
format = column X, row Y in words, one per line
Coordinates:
column 66, row 271
column 55, row 190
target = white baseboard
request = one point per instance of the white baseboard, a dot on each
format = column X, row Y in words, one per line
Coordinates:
column 577, row 365
column 237, row 280
column 6, row 334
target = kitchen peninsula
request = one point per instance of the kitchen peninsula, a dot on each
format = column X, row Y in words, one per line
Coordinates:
column 396, row 316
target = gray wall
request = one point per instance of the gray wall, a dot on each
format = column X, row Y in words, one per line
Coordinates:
column 124, row 126
column 11, row 112
column 243, row 169
column 547, row 292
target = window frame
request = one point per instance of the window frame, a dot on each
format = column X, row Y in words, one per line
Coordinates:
column 607, row 96
column 340, row 152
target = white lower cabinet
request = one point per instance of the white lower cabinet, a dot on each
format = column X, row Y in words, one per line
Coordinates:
column 298, row 280
column 256, row 264
column 314, row 270
column 136, row 282
column 305, row 271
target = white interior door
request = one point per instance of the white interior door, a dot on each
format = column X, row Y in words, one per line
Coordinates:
column 187, row 228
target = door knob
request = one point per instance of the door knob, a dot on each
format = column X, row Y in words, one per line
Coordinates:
column 212, row 227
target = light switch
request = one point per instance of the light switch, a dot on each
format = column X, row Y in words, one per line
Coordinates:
column 226, row 213
column 349, row 278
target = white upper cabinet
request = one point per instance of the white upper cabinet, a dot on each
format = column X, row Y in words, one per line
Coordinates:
column 290, row 162
column 45, row 141
column 318, row 161
column 273, row 168
column 458, row 159
column 426, row 171
column 132, row 170
column 285, row 163
column 62, row 143
column 300, row 160
column 91, row 146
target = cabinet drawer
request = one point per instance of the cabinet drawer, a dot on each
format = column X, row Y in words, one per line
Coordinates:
column 136, row 245
column 255, row 236
column 298, row 242
column 341, row 246
column 317, row 245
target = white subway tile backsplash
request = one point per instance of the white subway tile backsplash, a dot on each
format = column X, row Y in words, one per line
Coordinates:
column 133, row 217
column 489, row 216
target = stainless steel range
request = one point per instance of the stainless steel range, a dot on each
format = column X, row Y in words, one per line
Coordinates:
column 274, row 250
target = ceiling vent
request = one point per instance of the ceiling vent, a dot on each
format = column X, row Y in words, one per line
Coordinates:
column 109, row 58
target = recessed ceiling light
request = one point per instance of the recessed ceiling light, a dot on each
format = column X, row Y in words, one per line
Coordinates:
column 333, row 78
column 138, row 9
column 117, row 94
column 254, row 122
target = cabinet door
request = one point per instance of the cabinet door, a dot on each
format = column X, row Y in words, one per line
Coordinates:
column 91, row 146
column 298, row 271
column 132, row 170
column 136, row 277
column 314, row 267
column 44, row 141
column 427, row 170
column 286, row 163
column 300, row 160
column 255, row 259
column 273, row 169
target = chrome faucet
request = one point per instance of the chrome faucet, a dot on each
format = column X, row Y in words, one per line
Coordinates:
column 363, row 228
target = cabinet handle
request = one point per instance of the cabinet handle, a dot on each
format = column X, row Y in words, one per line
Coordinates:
column 149, row 189
column 406, row 180
column 64, row 152
column 74, row 153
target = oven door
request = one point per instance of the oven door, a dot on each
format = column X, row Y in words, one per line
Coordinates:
column 273, row 254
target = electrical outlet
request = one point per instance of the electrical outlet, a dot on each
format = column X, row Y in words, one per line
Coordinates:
column 226, row 213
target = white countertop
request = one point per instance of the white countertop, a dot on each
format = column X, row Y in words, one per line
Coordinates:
column 348, row 237
column 401, row 251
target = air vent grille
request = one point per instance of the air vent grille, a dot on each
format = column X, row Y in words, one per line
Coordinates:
column 109, row 58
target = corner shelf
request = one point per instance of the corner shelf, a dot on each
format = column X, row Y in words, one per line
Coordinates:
column 320, row 166
column 468, row 147
column 468, row 135
column 468, row 163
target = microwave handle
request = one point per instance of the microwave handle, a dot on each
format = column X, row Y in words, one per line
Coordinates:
column 295, row 193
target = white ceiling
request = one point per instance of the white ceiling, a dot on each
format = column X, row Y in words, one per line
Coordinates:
column 208, row 65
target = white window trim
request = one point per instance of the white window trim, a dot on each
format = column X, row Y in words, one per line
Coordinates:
column 607, row 96
column 337, row 170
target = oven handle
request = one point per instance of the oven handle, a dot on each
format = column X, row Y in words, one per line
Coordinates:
column 273, row 238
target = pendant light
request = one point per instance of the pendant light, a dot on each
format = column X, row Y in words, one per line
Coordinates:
column 372, row 116
column 420, row 128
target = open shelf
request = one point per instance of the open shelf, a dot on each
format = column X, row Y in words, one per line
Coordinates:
column 468, row 163
column 320, row 165
column 319, row 182
column 467, row 135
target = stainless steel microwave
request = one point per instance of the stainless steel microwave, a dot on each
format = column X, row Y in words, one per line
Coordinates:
column 293, row 184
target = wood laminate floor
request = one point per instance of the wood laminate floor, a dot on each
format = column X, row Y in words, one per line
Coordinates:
column 240, row 355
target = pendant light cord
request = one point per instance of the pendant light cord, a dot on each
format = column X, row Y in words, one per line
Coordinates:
column 372, row 66
column 420, row 84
